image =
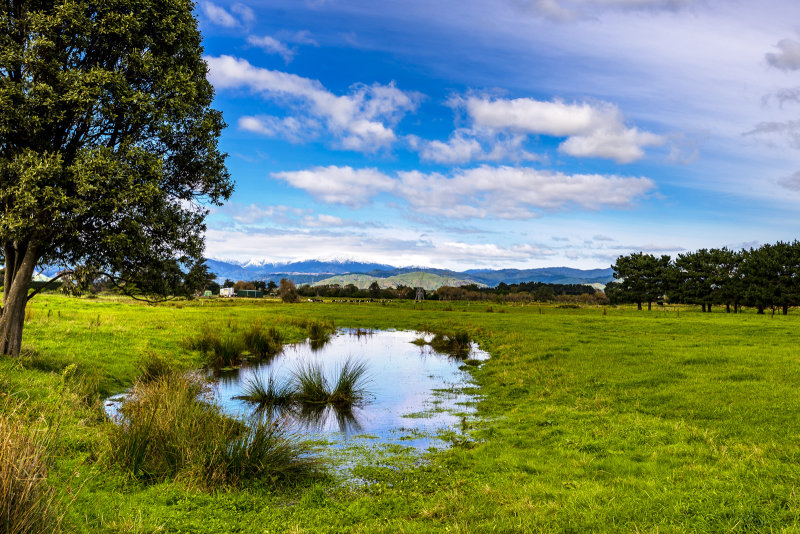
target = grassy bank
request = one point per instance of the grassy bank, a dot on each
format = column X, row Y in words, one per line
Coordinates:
column 665, row 421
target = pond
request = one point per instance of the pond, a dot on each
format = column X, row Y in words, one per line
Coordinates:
column 413, row 392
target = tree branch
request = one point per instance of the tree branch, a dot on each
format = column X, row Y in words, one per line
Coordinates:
column 60, row 275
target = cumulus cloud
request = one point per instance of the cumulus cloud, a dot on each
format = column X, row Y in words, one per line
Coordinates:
column 592, row 130
column 239, row 15
column 788, row 58
column 339, row 185
column 500, row 192
column 472, row 144
column 361, row 120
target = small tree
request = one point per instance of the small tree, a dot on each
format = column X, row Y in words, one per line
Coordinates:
column 288, row 291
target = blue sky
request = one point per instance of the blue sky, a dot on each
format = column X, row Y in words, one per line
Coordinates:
column 509, row 133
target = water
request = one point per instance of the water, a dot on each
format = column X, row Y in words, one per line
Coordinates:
column 414, row 392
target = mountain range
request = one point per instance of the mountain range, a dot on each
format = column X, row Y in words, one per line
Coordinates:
column 318, row 271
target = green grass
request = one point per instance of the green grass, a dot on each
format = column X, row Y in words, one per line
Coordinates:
column 589, row 422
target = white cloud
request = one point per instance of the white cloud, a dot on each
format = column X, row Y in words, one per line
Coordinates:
column 222, row 17
column 361, row 120
column 246, row 15
column 339, row 185
column 272, row 46
column 499, row 192
column 789, row 56
column 592, row 130
column 622, row 145
column 292, row 129
column 396, row 246
column 472, row 144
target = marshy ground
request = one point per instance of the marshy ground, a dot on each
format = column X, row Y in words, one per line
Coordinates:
column 666, row 421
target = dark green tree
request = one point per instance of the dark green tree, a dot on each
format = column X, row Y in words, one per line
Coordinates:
column 640, row 278
column 374, row 290
column 108, row 145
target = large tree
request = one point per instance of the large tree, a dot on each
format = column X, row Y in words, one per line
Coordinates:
column 108, row 144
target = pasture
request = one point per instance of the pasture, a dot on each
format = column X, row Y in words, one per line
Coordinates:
column 588, row 420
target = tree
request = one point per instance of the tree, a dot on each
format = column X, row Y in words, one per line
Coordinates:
column 640, row 278
column 288, row 291
column 374, row 290
column 108, row 145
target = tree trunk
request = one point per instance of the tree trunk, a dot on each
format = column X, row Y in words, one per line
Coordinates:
column 20, row 263
column 704, row 306
column 649, row 306
column 760, row 310
column 727, row 307
column 639, row 306
column 786, row 309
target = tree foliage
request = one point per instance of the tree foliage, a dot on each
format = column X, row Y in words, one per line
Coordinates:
column 764, row 277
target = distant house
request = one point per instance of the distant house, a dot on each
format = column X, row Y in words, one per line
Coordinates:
column 250, row 293
column 207, row 293
column 227, row 292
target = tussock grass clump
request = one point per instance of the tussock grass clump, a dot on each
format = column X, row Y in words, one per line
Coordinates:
column 153, row 366
column 350, row 384
column 167, row 430
column 262, row 344
column 219, row 350
column 311, row 383
column 27, row 502
column 319, row 330
column 227, row 350
column 313, row 387
column 268, row 392
column 456, row 344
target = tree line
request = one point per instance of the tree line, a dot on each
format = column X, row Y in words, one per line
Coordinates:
column 767, row 277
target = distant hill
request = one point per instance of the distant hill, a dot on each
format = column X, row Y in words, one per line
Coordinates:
column 552, row 275
column 317, row 271
column 425, row 280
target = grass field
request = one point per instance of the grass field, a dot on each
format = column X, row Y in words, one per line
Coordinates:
column 662, row 421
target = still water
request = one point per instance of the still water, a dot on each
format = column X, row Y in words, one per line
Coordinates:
column 413, row 391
